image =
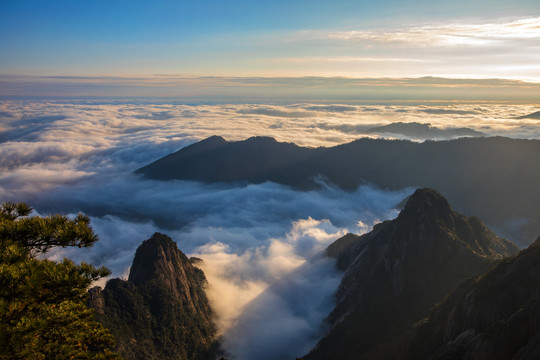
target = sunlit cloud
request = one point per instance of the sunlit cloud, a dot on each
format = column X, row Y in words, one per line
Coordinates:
column 451, row 35
column 261, row 243
column 454, row 49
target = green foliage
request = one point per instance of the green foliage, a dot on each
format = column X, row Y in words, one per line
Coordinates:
column 149, row 322
column 39, row 234
column 43, row 313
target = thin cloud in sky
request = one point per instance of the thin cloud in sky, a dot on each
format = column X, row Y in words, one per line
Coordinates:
column 484, row 49
column 411, row 45
column 450, row 35
column 343, row 59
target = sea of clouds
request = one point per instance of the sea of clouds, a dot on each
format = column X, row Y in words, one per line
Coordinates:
column 262, row 244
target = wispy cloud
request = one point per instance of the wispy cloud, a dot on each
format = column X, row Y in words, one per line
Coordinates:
column 454, row 48
column 451, row 35
column 346, row 59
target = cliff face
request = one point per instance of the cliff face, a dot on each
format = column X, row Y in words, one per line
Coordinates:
column 397, row 272
column 493, row 316
column 159, row 259
column 161, row 311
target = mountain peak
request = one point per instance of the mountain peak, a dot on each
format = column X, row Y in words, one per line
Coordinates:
column 426, row 198
column 208, row 144
column 214, row 139
column 162, row 311
column 154, row 258
column 427, row 202
column 398, row 271
column 158, row 258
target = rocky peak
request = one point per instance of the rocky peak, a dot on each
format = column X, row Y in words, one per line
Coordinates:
column 161, row 311
column 427, row 202
column 158, row 258
column 403, row 267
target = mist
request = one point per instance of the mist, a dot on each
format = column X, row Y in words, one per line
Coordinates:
column 261, row 244
column 261, row 247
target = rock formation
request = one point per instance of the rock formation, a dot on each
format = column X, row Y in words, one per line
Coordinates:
column 161, row 311
column 396, row 273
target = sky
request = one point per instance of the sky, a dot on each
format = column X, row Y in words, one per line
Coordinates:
column 140, row 48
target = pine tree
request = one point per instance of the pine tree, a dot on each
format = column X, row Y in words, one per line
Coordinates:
column 43, row 312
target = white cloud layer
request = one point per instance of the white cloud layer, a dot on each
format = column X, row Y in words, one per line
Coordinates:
column 261, row 243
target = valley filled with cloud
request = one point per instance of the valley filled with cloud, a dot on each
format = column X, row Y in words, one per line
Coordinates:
column 261, row 243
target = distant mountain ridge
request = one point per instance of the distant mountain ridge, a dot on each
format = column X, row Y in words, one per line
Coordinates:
column 161, row 311
column 423, row 131
column 493, row 178
column 396, row 273
column 534, row 115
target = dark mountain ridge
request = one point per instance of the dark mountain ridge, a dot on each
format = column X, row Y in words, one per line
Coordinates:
column 161, row 311
column 396, row 273
column 216, row 160
column 493, row 178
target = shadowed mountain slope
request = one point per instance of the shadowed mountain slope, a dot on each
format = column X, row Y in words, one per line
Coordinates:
column 254, row 160
column 495, row 316
column 161, row 311
column 495, row 179
column 396, row 273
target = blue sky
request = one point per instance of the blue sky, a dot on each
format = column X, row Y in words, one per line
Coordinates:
column 342, row 38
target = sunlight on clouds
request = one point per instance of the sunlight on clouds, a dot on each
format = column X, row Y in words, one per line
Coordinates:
column 450, row 35
column 261, row 244
column 36, row 178
column 237, row 279
column 64, row 142
column 452, row 49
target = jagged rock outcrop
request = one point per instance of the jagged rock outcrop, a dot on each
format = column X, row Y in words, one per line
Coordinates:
column 397, row 272
column 161, row 311
column 495, row 316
